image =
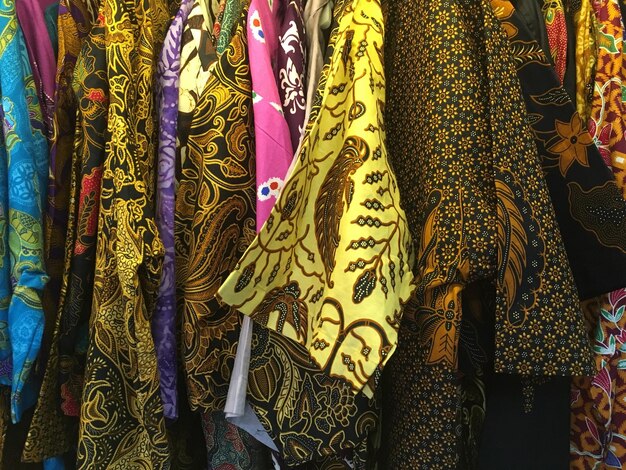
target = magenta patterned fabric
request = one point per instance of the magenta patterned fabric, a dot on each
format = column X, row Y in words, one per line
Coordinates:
column 273, row 142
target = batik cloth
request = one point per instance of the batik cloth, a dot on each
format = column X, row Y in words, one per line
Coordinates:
column 121, row 357
column 32, row 18
column 331, row 268
column 306, row 413
column 50, row 431
column 607, row 121
column 198, row 56
column 164, row 319
column 598, row 420
column 228, row 23
column 556, row 27
column 476, row 198
column 211, row 187
column 273, row 152
column 586, row 55
column 23, row 184
column 587, row 202
column 291, row 68
column 272, row 140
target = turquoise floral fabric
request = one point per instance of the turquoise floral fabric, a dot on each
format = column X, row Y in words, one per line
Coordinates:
column 23, row 177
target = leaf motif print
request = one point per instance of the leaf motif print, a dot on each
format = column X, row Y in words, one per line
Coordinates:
column 513, row 240
column 364, row 286
column 525, row 53
column 293, row 312
column 335, row 189
column 555, row 96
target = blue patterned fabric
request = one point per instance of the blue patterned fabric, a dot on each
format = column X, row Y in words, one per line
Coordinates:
column 23, row 178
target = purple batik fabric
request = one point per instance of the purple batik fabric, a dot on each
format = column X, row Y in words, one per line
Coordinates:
column 31, row 16
column 164, row 320
column 291, row 67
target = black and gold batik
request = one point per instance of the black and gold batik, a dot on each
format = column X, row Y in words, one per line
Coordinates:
column 121, row 417
column 477, row 201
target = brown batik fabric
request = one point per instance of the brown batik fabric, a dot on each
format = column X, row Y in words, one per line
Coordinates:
column 478, row 203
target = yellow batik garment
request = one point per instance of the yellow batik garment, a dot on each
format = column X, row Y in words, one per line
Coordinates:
column 585, row 56
column 331, row 268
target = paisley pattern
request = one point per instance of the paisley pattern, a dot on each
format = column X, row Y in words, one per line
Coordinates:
column 75, row 305
column 197, row 59
column 121, row 358
column 214, row 222
column 23, row 178
column 308, row 414
column 336, row 244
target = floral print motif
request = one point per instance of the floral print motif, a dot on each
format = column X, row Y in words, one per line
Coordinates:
column 271, row 188
column 255, row 27
column 573, row 144
column 598, row 420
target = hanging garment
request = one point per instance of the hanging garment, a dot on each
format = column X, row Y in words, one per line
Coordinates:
column 607, row 121
column 307, row 414
column 586, row 55
column 214, row 218
column 291, row 67
column 164, row 319
column 556, row 26
column 551, row 103
column 598, row 420
column 477, row 200
column 273, row 151
column 331, row 267
column 33, row 18
column 23, row 183
column 598, row 416
column 198, row 56
column 273, row 154
column 50, row 432
column 214, row 211
column 583, row 191
column 121, row 358
column 93, row 95
column 232, row 11
column 317, row 18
